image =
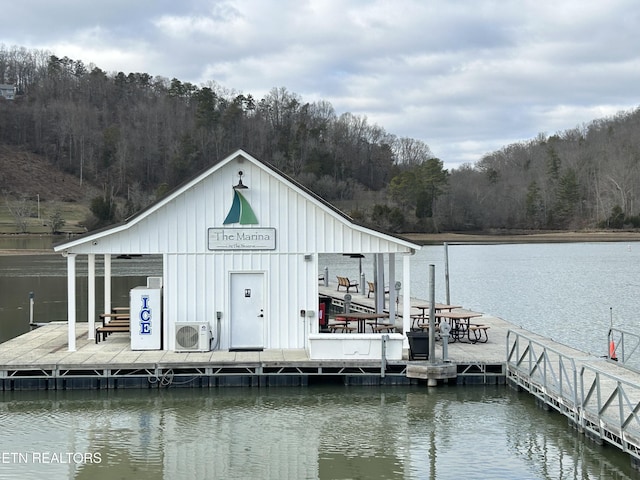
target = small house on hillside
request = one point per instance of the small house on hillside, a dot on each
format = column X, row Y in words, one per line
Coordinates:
column 240, row 245
column 7, row 92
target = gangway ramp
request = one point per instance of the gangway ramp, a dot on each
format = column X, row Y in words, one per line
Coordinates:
column 600, row 397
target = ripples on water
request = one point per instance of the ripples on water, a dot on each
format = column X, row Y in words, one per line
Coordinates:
column 290, row 433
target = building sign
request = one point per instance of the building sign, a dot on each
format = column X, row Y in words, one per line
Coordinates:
column 242, row 239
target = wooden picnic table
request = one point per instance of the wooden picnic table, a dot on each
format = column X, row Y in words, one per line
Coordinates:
column 423, row 315
column 362, row 317
column 459, row 322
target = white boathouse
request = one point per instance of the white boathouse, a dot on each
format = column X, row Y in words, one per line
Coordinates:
column 239, row 246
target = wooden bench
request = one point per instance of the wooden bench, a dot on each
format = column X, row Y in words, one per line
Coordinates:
column 112, row 323
column 107, row 318
column 372, row 289
column 340, row 323
column 346, row 283
column 117, row 323
column 477, row 331
column 344, row 327
column 425, row 327
column 384, row 328
column 109, row 329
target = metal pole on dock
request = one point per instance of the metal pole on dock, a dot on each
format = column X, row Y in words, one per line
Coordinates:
column 612, row 344
column 375, row 283
column 445, row 328
column 446, row 273
column 432, row 314
column 31, row 301
column 383, row 355
column 347, row 303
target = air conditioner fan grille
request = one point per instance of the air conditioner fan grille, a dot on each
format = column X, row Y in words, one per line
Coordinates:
column 187, row 336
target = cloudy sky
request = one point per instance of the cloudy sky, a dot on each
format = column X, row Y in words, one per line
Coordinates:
column 467, row 77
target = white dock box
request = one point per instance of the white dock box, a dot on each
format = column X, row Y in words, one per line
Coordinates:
column 146, row 318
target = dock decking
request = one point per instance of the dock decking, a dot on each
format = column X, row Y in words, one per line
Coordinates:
column 39, row 360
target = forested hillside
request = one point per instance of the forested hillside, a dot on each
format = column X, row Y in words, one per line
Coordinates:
column 583, row 177
column 136, row 136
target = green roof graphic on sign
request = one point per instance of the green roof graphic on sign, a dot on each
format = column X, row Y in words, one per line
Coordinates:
column 240, row 211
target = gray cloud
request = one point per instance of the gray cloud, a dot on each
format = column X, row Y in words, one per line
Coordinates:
column 466, row 77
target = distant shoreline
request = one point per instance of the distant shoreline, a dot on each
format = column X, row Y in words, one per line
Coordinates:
column 460, row 238
column 26, row 251
column 524, row 237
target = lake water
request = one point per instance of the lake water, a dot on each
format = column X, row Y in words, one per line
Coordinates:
column 45, row 276
column 567, row 291
column 295, row 433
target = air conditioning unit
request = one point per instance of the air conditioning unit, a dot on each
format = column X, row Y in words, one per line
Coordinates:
column 192, row 337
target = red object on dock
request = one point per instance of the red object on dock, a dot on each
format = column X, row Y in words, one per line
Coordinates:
column 322, row 312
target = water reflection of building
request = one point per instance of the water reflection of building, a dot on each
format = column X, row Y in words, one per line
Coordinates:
column 459, row 432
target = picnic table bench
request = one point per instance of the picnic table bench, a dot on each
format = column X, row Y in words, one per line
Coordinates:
column 109, row 329
column 383, row 327
column 477, row 331
column 112, row 323
column 340, row 323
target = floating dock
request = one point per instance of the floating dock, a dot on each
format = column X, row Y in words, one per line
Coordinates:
column 599, row 397
column 40, row 360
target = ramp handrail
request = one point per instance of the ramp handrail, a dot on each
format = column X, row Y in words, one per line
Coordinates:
column 622, row 345
column 603, row 404
column 552, row 369
column 613, row 402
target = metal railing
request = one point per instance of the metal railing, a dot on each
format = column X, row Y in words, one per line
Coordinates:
column 624, row 347
column 603, row 405
column 550, row 370
column 610, row 408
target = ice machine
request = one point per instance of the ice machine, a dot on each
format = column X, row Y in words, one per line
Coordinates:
column 146, row 318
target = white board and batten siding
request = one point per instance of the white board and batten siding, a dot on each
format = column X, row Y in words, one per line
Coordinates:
column 197, row 274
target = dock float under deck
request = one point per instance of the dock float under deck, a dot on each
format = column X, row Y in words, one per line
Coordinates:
column 39, row 360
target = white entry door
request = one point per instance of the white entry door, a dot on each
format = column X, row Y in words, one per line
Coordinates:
column 247, row 314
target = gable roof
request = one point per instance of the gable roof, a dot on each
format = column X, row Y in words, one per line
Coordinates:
column 181, row 189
